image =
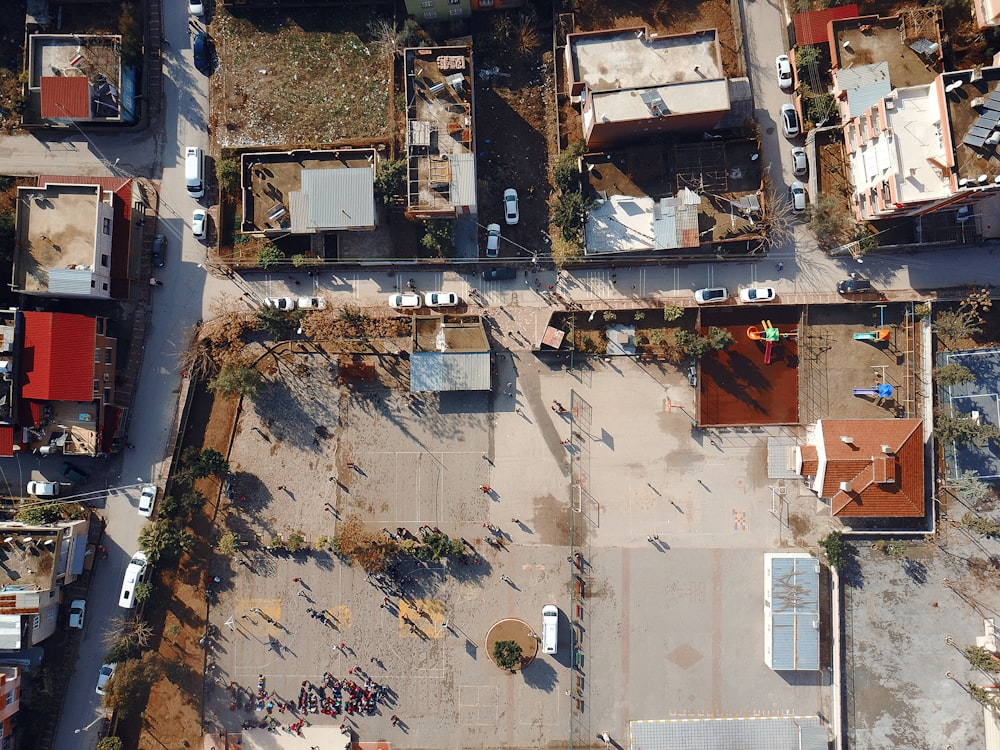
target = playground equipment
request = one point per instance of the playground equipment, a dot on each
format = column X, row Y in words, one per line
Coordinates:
column 882, row 334
column 769, row 334
column 880, row 391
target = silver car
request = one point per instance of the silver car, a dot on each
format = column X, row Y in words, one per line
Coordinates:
column 800, row 163
column 790, row 120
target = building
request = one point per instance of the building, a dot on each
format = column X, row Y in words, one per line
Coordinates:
column 791, row 612
column 439, row 10
column 309, row 192
column 73, row 237
column 987, row 13
column 632, row 84
column 440, row 133
column 10, row 703
column 813, row 27
column 865, row 467
column 450, row 353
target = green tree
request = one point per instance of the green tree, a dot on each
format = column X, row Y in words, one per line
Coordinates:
column 656, row 337
column 954, row 374
column 269, row 256
column 390, row 181
column 951, row 429
column 981, row 659
column 129, row 686
column 565, row 252
column 131, row 33
column 507, row 654
column 439, row 237
column 209, row 463
column 163, row 540
column 985, row 526
column 436, row 546
column 691, row 342
column 37, row 515
column 806, row 55
column 836, row 552
column 228, row 544
column 672, row 313
column 819, row 109
column 954, row 325
column 719, row 338
column 227, row 172
column 828, row 219
column 566, row 175
column 296, row 541
column 570, row 215
column 982, row 696
column 237, row 380
column 970, row 489
column 109, row 743
column 278, row 324
column 143, row 591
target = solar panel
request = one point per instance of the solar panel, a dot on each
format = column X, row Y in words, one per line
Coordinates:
column 994, row 96
column 978, row 129
column 974, row 140
column 990, row 116
column 983, row 123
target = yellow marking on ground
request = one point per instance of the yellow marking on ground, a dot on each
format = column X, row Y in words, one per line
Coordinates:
column 430, row 623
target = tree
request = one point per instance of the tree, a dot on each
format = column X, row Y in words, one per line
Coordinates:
column 371, row 550
column 672, row 313
column 296, row 541
column 269, row 256
column 833, row 545
column 439, row 237
column 143, row 591
column 691, row 342
column 234, row 380
column 610, row 316
column 227, row 173
column 806, row 55
column 719, row 338
column 819, row 109
column 163, row 540
column 951, row 429
column 390, row 182
column 970, row 489
column 436, row 546
column 209, row 463
column 827, row 218
column 228, row 544
column 110, row 743
column 274, row 322
column 526, row 32
column 33, row 514
column 131, row 33
column 570, row 215
column 986, row 698
column 954, row 374
column 565, row 252
column 981, row 659
column 778, row 220
column 130, row 683
column 985, row 526
column 507, row 654
column 953, row 325
column 566, row 174
column 132, row 634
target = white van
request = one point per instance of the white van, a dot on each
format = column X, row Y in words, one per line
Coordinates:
column 194, row 171
column 135, row 574
column 550, row 629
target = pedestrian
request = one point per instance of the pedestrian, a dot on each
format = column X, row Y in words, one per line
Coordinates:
column 510, row 385
column 350, row 464
column 656, row 537
column 519, row 410
column 649, row 539
column 373, row 660
column 780, row 266
column 296, row 580
column 385, row 599
column 394, row 719
column 281, row 487
column 515, row 520
column 504, row 578
column 301, row 593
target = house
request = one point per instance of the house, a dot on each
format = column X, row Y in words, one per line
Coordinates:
column 813, row 26
column 73, row 237
column 450, row 353
column 309, row 191
column 10, row 703
column 987, row 13
column 865, row 467
column 632, row 84
column 440, row 133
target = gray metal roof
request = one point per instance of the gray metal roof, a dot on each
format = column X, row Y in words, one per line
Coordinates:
column 74, row 281
column 449, row 371
column 463, row 181
column 738, row 733
column 335, row 199
column 865, row 85
column 792, row 607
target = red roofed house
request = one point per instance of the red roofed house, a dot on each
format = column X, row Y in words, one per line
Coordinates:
column 813, row 27
column 66, row 98
column 866, row 467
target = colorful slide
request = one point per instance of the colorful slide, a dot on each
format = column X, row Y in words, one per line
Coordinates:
column 883, row 390
column 882, row 334
column 769, row 334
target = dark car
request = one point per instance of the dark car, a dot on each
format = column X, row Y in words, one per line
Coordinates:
column 201, row 51
column 72, row 473
column 854, row 286
column 499, row 274
column 159, row 248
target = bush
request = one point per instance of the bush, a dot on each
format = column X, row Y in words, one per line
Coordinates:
column 570, row 215
column 227, row 173
column 390, row 181
column 439, row 237
column 507, row 654
column 143, row 591
column 833, row 546
column 110, row 743
column 296, row 541
column 672, row 313
column 954, row 374
column 566, row 175
column 269, row 256
column 234, row 380
column 692, row 343
column 228, row 544
column 37, row 515
column 719, row 338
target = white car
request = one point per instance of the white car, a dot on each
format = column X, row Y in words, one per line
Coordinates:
column 800, row 163
column 757, row 294
column 405, row 300
column 440, row 299
column 790, row 120
column 783, row 66
column 312, row 303
column 711, row 295
column 492, row 240
column 196, row 8
column 199, row 223
column 797, row 195
column 510, row 213
column 107, row 671
column 77, row 610
column 43, row 489
column 147, row 498
column 280, row 303
column 135, row 574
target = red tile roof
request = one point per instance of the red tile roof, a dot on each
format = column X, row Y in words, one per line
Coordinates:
column 812, row 27
column 65, row 98
column 6, row 441
column 883, row 484
column 810, row 461
column 58, row 357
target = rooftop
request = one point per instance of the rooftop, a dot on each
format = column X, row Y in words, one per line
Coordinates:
column 57, row 59
column 974, row 114
column 812, row 27
column 450, row 353
column 870, row 39
column 27, row 560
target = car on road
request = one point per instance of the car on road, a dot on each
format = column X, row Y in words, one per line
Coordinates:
column 280, row 303
column 147, row 499
column 710, row 295
column 757, row 294
column 107, row 671
column 492, row 240
column 854, row 286
column 135, row 574
column 783, row 66
column 405, row 300
column 43, row 489
column 159, row 248
column 440, row 299
column 73, row 474
column 797, row 196
column 202, row 52
column 196, row 8
column 510, row 211
column 790, row 120
column 800, row 163
column 312, row 303
column 499, row 274
column 199, row 223
column 77, row 610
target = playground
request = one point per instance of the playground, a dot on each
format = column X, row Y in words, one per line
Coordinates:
column 979, row 401
column 754, row 381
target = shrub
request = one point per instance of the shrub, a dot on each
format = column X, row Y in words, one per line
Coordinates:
column 390, row 182
column 719, row 338
column 954, row 374
column 672, row 313
column 507, row 654
column 227, row 172
column 143, row 591
column 235, row 380
column 296, row 541
column 110, row 743
column 609, row 316
column 228, row 544
column 833, row 546
column 269, row 256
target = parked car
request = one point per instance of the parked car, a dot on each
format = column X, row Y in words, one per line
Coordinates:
column 77, row 610
column 510, row 212
column 202, row 53
column 280, row 303
column 784, row 68
column 199, row 223
column 797, row 196
column 196, row 8
column 492, row 240
column 499, row 274
column 312, row 303
column 159, row 249
column 800, row 163
column 440, row 299
column 854, row 286
column 147, row 498
column 107, row 671
column 73, row 474
column 135, row 574
column 405, row 300
column 711, row 294
column 790, row 120
column 757, row 294
column 43, row 489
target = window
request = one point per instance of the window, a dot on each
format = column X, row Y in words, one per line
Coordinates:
column 104, row 286
column 455, row 12
column 107, row 226
column 107, row 377
column 100, row 326
column 108, row 351
column 427, row 4
column 430, row 15
column 454, row 2
column 9, row 698
column 97, row 356
column 107, row 395
column 104, row 260
column 97, row 386
column 36, row 622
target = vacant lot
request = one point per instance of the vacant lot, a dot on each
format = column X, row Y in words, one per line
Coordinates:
column 306, row 77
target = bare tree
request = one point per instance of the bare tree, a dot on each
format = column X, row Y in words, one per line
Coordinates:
column 776, row 223
column 133, row 632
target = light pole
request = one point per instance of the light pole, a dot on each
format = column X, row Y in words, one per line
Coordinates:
column 84, row 729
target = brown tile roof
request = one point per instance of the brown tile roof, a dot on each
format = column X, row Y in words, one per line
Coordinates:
column 882, row 484
column 810, row 460
column 812, row 27
column 65, row 97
